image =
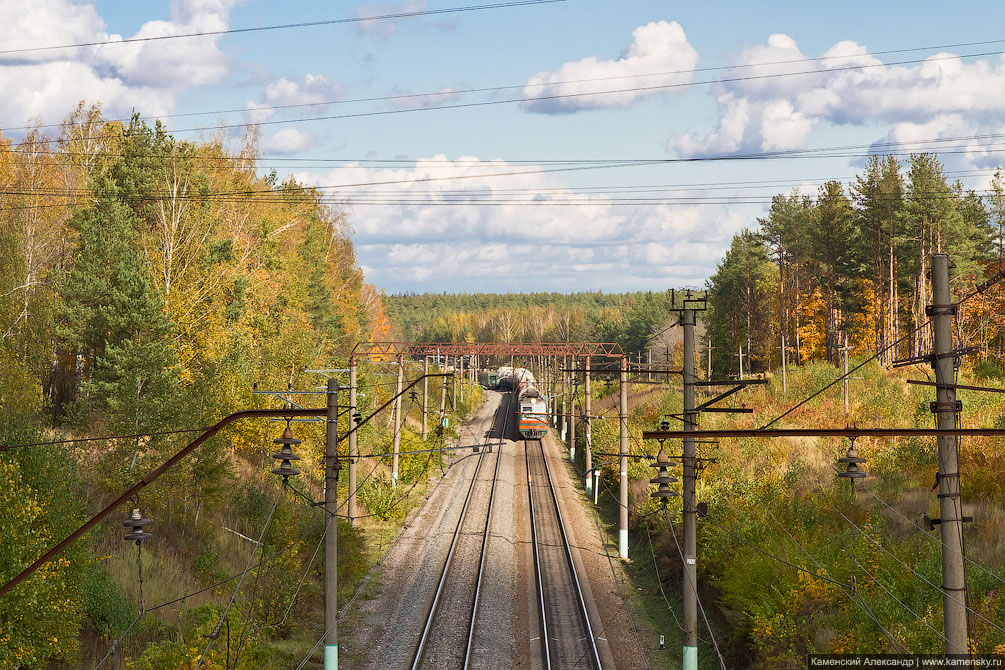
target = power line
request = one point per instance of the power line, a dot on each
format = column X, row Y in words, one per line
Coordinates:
column 563, row 96
column 844, row 376
column 898, row 601
column 524, row 86
column 680, row 551
column 285, row 26
column 919, row 575
column 7, row 447
column 233, row 596
column 851, row 593
column 926, row 534
column 845, row 588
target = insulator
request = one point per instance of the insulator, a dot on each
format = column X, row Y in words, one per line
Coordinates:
column 664, row 425
column 137, row 523
column 286, row 455
column 664, row 480
column 852, row 459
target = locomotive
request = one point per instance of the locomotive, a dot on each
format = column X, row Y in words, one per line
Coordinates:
column 532, row 405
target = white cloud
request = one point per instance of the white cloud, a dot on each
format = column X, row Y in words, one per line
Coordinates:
column 314, row 89
column 758, row 111
column 409, row 235
column 384, row 28
column 289, row 141
column 659, row 47
column 142, row 75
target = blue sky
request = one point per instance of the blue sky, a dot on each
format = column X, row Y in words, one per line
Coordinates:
column 570, row 229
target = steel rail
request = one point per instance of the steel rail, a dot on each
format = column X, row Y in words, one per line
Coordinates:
column 485, row 543
column 595, row 653
column 421, row 648
column 537, row 564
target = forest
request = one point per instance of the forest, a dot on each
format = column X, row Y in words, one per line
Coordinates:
column 148, row 285
column 852, row 267
column 631, row 319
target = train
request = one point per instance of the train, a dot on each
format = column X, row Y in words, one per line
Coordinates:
column 531, row 407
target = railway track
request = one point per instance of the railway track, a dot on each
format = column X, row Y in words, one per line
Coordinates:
column 567, row 639
column 447, row 638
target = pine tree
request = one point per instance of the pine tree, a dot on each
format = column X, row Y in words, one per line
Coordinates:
column 115, row 320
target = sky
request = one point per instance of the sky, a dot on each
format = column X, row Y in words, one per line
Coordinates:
column 560, row 145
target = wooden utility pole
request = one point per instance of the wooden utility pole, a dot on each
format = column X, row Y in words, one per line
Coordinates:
column 954, row 584
column 331, row 536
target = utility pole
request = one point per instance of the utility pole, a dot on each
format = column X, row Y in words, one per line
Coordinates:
column 690, row 586
column 587, row 428
column 785, row 385
column 649, row 363
column 425, row 396
column 453, row 386
column 397, row 420
column 443, row 389
column 460, row 375
column 709, row 377
column 353, row 448
column 954, row 584
column 565, row 394
column 844, row 351
column 740, row 349
column 572, row 414
column 623, row 497
column 331, row 523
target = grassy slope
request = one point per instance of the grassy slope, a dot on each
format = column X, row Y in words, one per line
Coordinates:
column 784, row 497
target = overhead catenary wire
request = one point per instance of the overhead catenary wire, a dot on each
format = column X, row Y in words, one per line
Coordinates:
column 284, row 26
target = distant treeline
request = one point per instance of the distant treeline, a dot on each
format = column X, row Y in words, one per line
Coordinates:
column 626, row 318
column 856, row 264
